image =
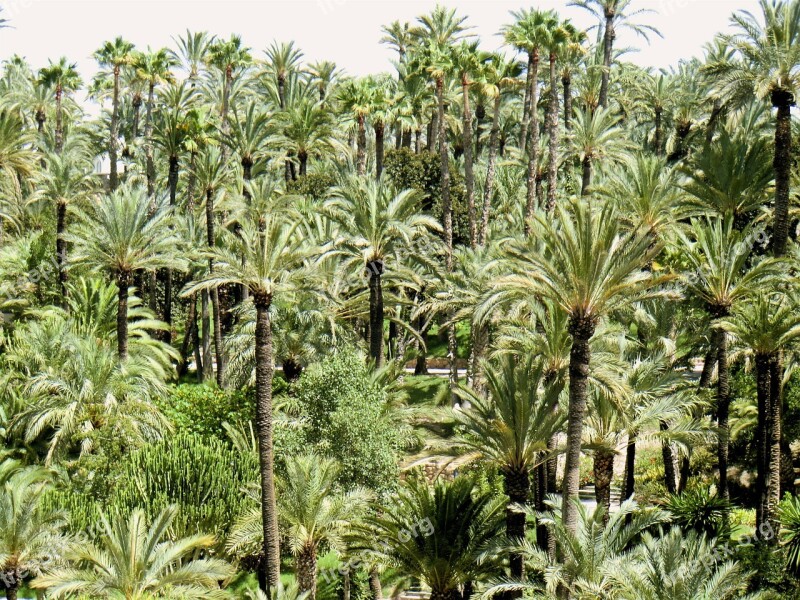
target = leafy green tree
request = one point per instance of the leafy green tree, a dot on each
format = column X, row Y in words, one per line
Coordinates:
column 63, row 78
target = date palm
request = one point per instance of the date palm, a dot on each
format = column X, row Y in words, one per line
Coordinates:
column 17, row 159
column 307, row 132
column 115, row 55
column 720, row 277
column 122, row 236
column 768, row 65
column 62, row 77
column 246, row 137
column 377, row 228
column 270, row 260
column 193, row 51
column 596, row 135
column 30, row 533
column 283, row 61
column 584, row 262
column 355, row 99
column 136, row 560
column 324, row 74
column 230, row 57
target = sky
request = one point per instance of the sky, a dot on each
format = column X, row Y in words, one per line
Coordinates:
column 344, row 31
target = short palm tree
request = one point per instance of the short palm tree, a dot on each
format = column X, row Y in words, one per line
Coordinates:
column 596, row 135
column 307, row 132
column 62, row 77
column 270, row 259
column 136, row 560
column 121, row 235
column 30, row 534
column 438, row 534
column 377, row 228
column 313, row 511
column 585, row 263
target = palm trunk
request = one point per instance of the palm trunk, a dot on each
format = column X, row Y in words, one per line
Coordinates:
column 469, row 177
column 12, row 589
column 375, row 269
column 603, row 474
column 264, row 373
column 123, row 281
column 150, row 167
column 215, row 308
column 581, row 329
column 630, row 468
column 668, row 458
column 552, row 128
column 307, row 571
column 61, row 248
column 517, row 487
column 208, row 367
column 303, row 157
column 494, row 137
column 782, row 163
column 658, row 141
column 112, row 142
column 533, row 142
column 379, row 143
column 775, row 457
column 586, row 180
column 723, row 410
column 566, row 82
column 361, row 147
column 608, row 48
column 526, row 103
column 59, row 120
column 376, row 591
column 762, row 437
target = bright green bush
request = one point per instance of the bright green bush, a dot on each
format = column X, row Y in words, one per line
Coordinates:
column 202, row 409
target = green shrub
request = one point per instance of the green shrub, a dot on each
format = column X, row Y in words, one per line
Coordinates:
column 698, row 509
column 789, row 516
column 202, row 409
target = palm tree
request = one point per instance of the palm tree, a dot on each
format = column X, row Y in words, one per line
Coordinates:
column 17, row 158
column 324, row 73
column 769, row 66
column 354, row 97
column 313, row 511
column 656, row 92
column 438, row 534
column 30, row 534
column 246, row 137
column 377, row 227
column 719, row 256
column 587, row 265
column 595, row 135
column 154, row 69
column 283, row 60
column 122, row 236
column 114, row 55
column 559, row 36
column 230, row 57
column 63, row 78
column 767, row 326
column 613, row 14
column 510, row 429
column 137, row 560
column 307, row 132
column 269, row 260
column 193, row 52
column 500, row 75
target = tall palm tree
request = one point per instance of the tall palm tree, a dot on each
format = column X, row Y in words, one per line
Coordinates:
column 355, row 98
column 137, row 560
column 377, row 228
column 769, row 66
column 230, row 57
column 438, row 534
column 63, row 78
column 315, row 513
column 324, row 74
column 613, row 14
column 193, row 52
column 283, row 60
column 594, row 135
column 114, row 55
column 307, row 132
column 585, row 263
column 720, row 277
column 269, row 260
column 30, row 534
column 500, row 76
column 510, row 429
column 123, row 236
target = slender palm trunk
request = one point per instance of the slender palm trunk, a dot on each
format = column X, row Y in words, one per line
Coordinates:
column 61, row 247
column 668, row 458
column 782, row 163
column 113, row 178
column 526, row 103
column 533, row 142
column 380, row 132
column 123, row 282
column 603, row 474
column 59, row 119
column 150, row 165
column 775, row 457
column 762, row 437
column 566, row 82
column 215, row 307
column 208, row 367
column 552, row 129
column 264, row 373
column 581, row 329
column 173, row 197
column 375, row 269
column 517, row 485
column 494, row 138
column 303, row 157
column 307, row 571
column 376, row 590
column 361, row 147
column 608, row 49
column 469, row 177
column 658, row 142
column 586, row 180
column 630, row 468
column 723, row 411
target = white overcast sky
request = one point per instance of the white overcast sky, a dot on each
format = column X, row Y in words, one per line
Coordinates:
column 345, row 31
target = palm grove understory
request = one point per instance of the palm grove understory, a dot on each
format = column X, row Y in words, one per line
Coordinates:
column 602, row 258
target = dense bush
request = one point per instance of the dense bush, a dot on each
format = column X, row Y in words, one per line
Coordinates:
column 202, row 409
